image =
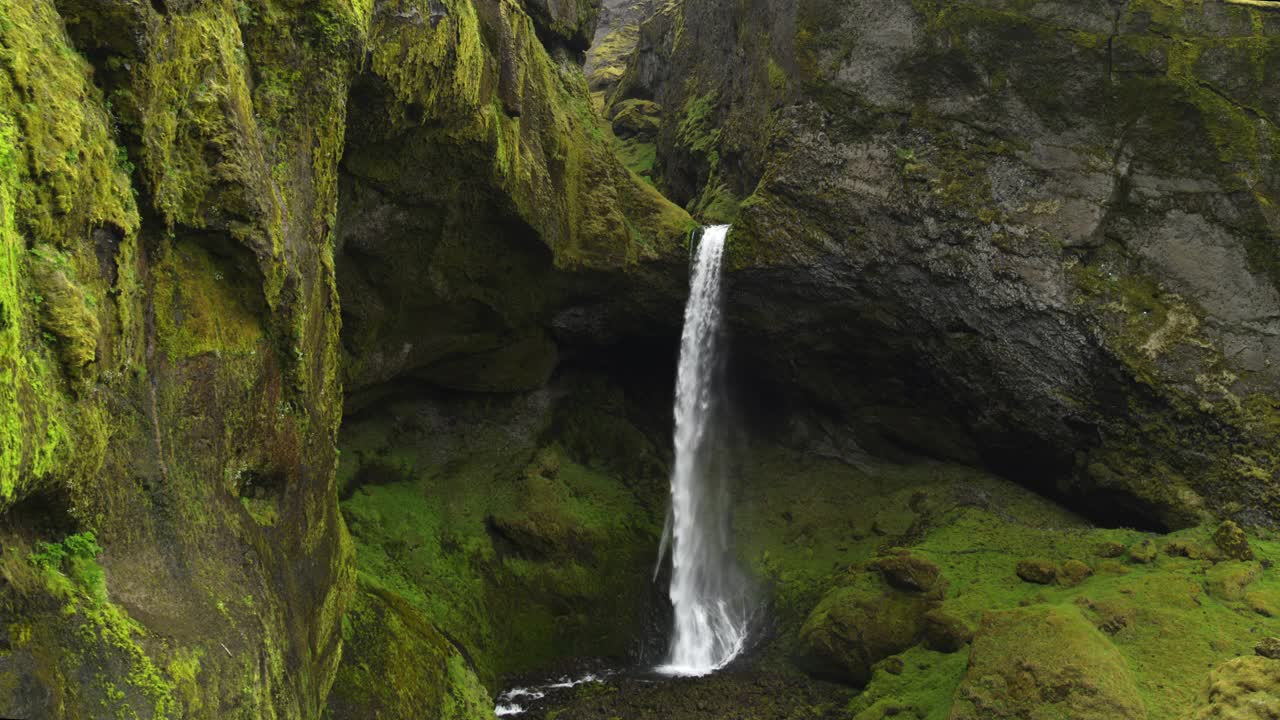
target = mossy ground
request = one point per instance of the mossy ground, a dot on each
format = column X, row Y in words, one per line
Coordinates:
column 804, row 523
column 485, row 519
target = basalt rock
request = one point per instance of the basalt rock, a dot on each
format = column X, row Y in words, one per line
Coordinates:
column 169, row 365
column 1037, row 237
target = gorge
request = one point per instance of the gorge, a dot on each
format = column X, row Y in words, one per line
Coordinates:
column 339, row 342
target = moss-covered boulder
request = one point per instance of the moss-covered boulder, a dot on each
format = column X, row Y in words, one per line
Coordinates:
column 1044, row 662
column 406, row 667
column 1246, row 688
column 858, row 624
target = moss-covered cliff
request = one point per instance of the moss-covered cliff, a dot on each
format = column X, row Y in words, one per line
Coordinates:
column 336, row 341
column 1040, row 236
column 172, row 544
column 172, row 176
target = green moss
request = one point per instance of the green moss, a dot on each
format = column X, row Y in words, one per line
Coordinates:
column 803, row 522
column 104, row 632
column 203, row 306
column 407, row 667
column 519, row 552
column 858, row 624
column 64, row 307
column 697, row 130
column 777, row 76
column 1074, row 670
column 638, row 156
column 923, row 689
column 59, row 180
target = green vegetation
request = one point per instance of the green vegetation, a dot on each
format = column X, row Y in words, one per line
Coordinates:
column 171, row 370
column 97, row 632
column 1164, row 618
column 522, row 552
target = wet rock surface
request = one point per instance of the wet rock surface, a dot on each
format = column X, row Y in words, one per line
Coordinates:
column 1040, row 238
column 738, row 692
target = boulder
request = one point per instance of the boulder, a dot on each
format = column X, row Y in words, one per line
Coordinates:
column 857, row 625
column 908, row 572
column 1244, row 688
column 1232, row 541
column 1037, row 570
column 1044, row 662
column 1073, row 572
column 1268, row 648
column 1143, row 552
column 944, row 632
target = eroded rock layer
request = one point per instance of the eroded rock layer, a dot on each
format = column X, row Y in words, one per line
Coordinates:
column 1037, row 236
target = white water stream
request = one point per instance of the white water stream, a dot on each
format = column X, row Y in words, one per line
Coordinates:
column 708, row 590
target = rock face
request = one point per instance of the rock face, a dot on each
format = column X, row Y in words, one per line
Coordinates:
column 178, row 183
column 1040, row 237
column 169, row 380
column 1046, row 662
column 480, row 202
column 616, row 36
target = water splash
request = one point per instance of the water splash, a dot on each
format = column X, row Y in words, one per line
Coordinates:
column 708, row 591
column 509, row 702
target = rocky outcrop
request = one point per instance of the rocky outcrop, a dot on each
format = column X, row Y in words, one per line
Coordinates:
column 1037, row 238
column 481, row 201
column 169, row 381
column 178, row 183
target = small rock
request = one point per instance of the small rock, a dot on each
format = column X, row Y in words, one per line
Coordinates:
column 1182, row 548
column 1037, row 570
column 1108, row 549
column 1232, row 541
column 944, row 632
column 893, row 665
column 1143, row 552
column 907, row 572
column 1073, row 572
column 1268, row 648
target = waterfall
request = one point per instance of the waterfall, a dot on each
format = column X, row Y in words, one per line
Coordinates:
column 708, row 591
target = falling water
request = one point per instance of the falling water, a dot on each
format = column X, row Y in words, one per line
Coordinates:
column 708, row 591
